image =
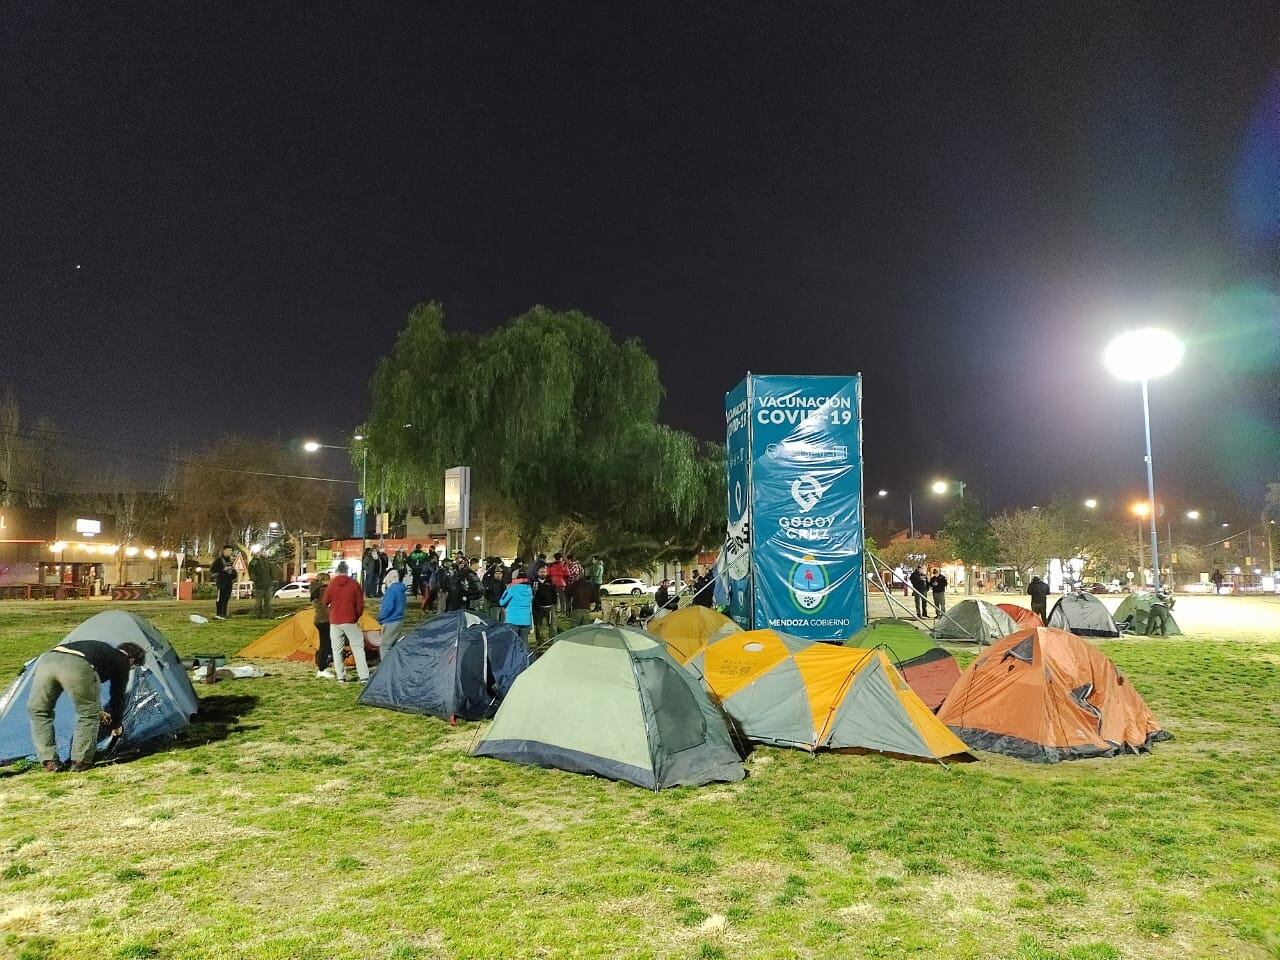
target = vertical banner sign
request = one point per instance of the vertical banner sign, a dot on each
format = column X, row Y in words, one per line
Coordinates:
column 457, row 498
column 737, row 541
column 357, row 518
column 805, row 504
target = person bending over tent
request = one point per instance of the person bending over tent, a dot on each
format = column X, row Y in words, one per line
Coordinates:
column 79, row 669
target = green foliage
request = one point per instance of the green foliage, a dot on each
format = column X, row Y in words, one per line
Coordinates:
column 970, row 533
column 933, row 549
column 557, row 421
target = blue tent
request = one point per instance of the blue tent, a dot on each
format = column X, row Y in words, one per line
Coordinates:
column 160, row 700
column 454, row 666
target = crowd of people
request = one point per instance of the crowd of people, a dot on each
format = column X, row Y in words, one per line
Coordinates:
column 531, row 596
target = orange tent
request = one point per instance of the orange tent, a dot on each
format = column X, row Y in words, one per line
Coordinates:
column 298, row 639
column 1024, row 618
column 1047, row 695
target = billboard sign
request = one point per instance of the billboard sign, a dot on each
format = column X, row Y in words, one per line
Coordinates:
column 457, row 498
column 737, row 541
column 357, row 518
column 804, row 501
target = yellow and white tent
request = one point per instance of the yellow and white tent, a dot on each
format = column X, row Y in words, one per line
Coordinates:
column 800, row 693
column 298, row 639
column 687, row 630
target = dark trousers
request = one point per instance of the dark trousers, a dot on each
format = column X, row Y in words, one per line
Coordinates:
column 939, row 602
column 224, row 597
column 1041, row 607
column 544, row 624
column 324, row 655
column 922, row 605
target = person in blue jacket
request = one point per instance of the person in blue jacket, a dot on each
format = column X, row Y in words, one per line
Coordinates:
column 517, row 601
column 391, row 613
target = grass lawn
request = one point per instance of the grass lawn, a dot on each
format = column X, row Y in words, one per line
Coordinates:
column 290, row 823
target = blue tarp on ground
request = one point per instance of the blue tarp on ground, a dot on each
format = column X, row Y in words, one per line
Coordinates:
column 456, row 665
column 160, row 700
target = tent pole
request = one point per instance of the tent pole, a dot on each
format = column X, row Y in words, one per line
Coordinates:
column 945, row 616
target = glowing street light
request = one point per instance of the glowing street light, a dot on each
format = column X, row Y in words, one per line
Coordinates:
column 311, row 446
column 882, row 493
column 1142, row 355
column 1141, row 508
column 1193, row 514
column 942, row 487
column 1091, row 503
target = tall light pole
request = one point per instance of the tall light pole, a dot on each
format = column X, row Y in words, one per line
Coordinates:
column 1142, row 355
column 312, row 446
column 911, row 512
column 942, row 488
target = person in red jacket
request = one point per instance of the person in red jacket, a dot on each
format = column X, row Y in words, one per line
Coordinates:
column 345, row 601
column 558, row 577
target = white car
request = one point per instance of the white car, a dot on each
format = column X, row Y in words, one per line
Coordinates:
column 626, row 587
column 294, row 591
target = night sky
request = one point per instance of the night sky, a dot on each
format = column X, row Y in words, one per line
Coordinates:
column 217, row 216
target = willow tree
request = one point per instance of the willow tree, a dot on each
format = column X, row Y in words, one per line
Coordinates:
column 555, row 417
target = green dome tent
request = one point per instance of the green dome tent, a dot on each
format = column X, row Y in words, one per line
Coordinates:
column 974, row 620
column 928, row 669
column 1136, row 611
column 611, row 701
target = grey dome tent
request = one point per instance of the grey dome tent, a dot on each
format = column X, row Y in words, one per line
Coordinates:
column 159, row 702
column 974, row 620
column 1082, row 614
column 454, row 666
column 611, row 701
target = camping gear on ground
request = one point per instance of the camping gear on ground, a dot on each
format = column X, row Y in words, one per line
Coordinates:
column 454, row 666
column 1135, row 614
column 1046, row 695
column 928, row 669
column 1024, row 617
column 200, row 659
column 974, row 620
column 159, row 701
column 1082, row 614
column 689, row 629
column 298, row 639
column 794, row 692
column 610, row 700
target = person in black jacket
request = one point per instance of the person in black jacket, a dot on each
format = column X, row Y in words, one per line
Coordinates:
column 544, row 608
column 79, row 669
column 1038, row 591
column 938, row 584
column 919, row 584
column 223, row 570
column 463, row 588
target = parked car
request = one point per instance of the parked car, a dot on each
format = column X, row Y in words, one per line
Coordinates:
column 294, row 591
column 242, row 590
column 626, row 587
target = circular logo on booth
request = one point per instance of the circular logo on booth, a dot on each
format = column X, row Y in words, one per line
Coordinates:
column 808, row 583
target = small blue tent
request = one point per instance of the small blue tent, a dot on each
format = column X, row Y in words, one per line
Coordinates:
column 160, row 700
column 454, row 666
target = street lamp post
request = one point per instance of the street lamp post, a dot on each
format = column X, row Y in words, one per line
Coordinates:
column 311, row 446
column 911, row 512
column 1141, row 355
column 942, row 487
